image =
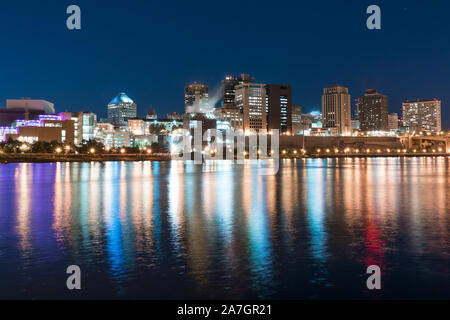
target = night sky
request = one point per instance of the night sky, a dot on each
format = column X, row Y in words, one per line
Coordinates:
column 152, row 49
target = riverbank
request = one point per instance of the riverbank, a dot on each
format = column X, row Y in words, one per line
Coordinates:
column 45, row 158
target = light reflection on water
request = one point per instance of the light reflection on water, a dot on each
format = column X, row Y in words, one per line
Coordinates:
column 176, row 230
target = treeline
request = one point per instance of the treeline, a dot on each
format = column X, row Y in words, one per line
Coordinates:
column 87, row 147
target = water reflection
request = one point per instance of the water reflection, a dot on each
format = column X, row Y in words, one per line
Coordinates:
column 177, row 230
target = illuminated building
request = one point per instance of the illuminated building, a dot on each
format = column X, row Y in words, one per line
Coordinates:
column 296, row 120
column 86, row 122
column 373, row 111
column 279, row 108
column 336, row 109
column 393, row 121
column 196, row 98
column 112, row 137
column 422, row 115
column 232, row 114
column 120, row 109
column 136, row 126
column 47, row 128
column 229, row 85
column 251, row 100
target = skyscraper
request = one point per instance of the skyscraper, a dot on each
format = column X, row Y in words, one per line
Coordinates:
column 251, row 99
column 196, row 98
column 120, row 109
column 336, row 109
column 373, row 111
column 229, row 85
column 279, row 108
column 422, row 115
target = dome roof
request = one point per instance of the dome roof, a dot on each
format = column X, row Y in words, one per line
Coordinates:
column 121, row 97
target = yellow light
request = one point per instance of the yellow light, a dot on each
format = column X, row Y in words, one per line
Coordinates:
column 357, row 150
column 122, row 150
column 440, row 149
column 149, row 150
column 379, row 151
column 336, row 150
column 368, row 150
column 67, row 148
column 388, row 150
column 295, row 151
column 58, row 150
column 284, row 151
column 328, row 150
column 318, row 150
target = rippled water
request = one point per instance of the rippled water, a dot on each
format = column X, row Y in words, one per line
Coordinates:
column 177, row 230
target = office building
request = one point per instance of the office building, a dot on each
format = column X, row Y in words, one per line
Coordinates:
column 229, row 85
column 336, row 109
column 279, row 108
column 120, row 109
column 373, row 111
column 422, row 115
column 251, row 100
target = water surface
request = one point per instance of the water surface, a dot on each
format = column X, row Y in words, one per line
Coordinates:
column 174, row 230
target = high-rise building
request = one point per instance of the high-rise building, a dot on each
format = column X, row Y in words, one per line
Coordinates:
column 336, row 109
column 196, row 98
column 393, row 121
column 422, row 115
column 373, row 111
column 229, row 85
column 251, row 99
column 279, row 108
column 120, row 109
column 296, row 120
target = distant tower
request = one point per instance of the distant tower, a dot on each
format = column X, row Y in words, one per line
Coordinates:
column 229, row 85
column 120, row 109
column 336, row 109
column 151, row 115
column 196, row 97
column 373, row 111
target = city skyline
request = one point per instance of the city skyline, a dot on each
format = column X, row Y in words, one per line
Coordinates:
column 77, row 79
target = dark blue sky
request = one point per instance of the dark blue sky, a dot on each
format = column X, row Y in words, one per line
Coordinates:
column 152, row 49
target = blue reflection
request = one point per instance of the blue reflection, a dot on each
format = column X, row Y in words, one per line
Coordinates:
column 316, row 181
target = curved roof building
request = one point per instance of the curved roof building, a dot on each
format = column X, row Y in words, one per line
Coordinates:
column 120, row 109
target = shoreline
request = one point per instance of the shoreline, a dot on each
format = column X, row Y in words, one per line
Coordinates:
column 52, row 158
